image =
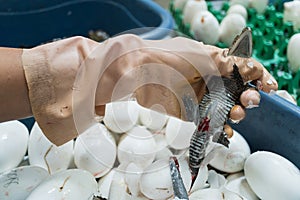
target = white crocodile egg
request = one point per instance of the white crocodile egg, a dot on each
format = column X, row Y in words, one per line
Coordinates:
column 137, row 146
column 259, row 5
column 205, row 27
column 179, row 4
column 231, row 26
column 151, row 119
column 13, row 144
column 179, row 133
column 43, row 153
column 238, row 9
column 192, row 7
column 272, row 176
column 241, row 187
column 231, row 159
column 121, row 116
column 293, row 52
column 156, row 180
column 95, row 150
column 244, row 3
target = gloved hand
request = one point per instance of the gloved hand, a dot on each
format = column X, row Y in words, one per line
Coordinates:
column 69, row 79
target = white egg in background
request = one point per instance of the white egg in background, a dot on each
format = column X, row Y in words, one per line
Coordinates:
column 95, row 150
column 151, row 119
column 156, row 181
column 231, row 159
column 231, row 26
column 13, row 144
column 192, row 7
column 178, row 133
column 244, row 3
column 259, row 5
column 272, row 177
column 43, row 153
column 137, row 146
column 205, row 27
column 179, row 4
column 293, row 52
column 68, row 185
column 18, row 183
column 238, row 9
column 121, row 116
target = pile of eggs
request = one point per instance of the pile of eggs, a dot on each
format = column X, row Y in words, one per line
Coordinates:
column 126, row 156
column 205, row 26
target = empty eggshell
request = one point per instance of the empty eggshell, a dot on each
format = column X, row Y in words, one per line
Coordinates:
column 179, row 4
column 95, row 150
column 214, row 194
column 205, row 27
column 137, row 146
column 192, row 7
column 238, row 9
column 43, row 153
column 272, row 176
column 244, row 3
column 132, row 178
column 156, row 180
column 68, row 185
column 19, row 182
column 293, row 52
column 151, row 119
column 259, row 5
column 179, row 133
column 231, row 159
column 231, row 26
column 13, row 144
column 104, row 184
column 121, row 116
column 241, row 187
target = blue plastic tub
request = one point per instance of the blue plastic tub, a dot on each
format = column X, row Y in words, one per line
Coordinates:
column 30, row 23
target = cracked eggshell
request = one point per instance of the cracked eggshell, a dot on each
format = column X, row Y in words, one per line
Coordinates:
column 95, row 150
column 68, row 185
column 13, row 144
column 231, row 159
column 151, row 119
column 192, row 7
column 156, row 181
column 214, row 194
column 238, row 9
column 231, row 26
column 241, row 187
column 19, row 182
column 121, row 116
column 293, row 52
column 205, row 27
column 178, row 133
column 43, row 153
column 137, row 146
column 272, row 176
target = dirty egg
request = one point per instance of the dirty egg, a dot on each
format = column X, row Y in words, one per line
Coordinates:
column 13, row 144
column 43, row 153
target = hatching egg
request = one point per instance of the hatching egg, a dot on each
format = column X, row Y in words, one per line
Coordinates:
column 231, row 159
column 179, row 133
column 231, row 26
column 137, row 146
column 95, row 150
column 151, row 119
column 205, row 27
column 241, row 187
column 238, row 9
column 13, row 144
column 68, row 185
column 19, row 182
column 43, row 153
column 179, row 4
column 293, row 52
column 192, row 7
column 156, row 180
column 244, row 3
column 272, row 176
column 121, row 116
column 259, row 5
